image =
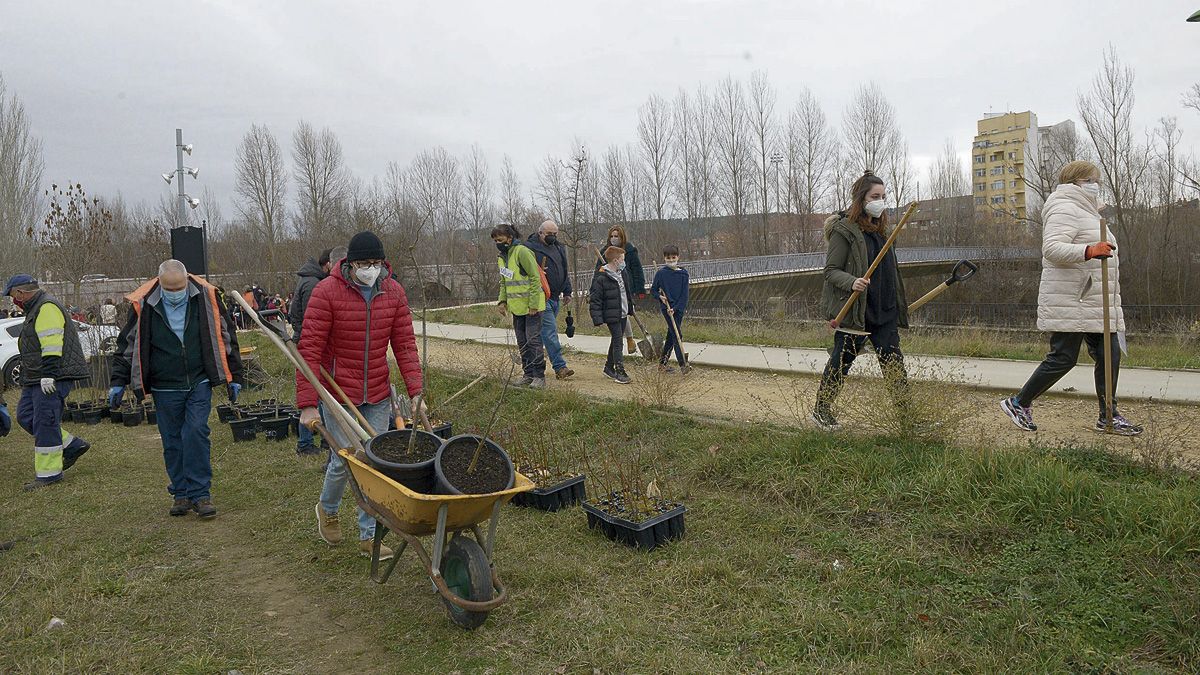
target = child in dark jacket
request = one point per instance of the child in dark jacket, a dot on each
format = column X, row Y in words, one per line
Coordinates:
column 610, row 303
column 670, row 289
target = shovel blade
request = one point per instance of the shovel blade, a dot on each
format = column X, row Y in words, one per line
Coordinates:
column 648, row 350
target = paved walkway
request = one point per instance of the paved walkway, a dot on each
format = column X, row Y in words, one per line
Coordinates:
column 1176, row 386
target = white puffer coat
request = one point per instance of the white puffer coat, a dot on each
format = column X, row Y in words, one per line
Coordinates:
column 1070, row 298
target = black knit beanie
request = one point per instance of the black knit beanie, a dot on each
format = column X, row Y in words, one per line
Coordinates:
column 365, row 246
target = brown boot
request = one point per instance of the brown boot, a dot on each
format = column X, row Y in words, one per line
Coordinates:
column 631, row 345
column 563, row 373
column 364, row 549
column 327, row 527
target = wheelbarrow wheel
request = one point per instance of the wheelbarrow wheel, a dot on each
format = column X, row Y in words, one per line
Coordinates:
column 469, row 576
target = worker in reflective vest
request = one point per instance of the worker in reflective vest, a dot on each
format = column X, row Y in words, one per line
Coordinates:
column 522, row 295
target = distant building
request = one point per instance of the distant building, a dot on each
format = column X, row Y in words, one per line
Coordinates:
column 998, row 163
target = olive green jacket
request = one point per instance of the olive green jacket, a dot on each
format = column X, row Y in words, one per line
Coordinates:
column 845, row 261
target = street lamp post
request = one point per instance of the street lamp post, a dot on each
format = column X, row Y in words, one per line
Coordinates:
column 182, row 232
column 777, row 160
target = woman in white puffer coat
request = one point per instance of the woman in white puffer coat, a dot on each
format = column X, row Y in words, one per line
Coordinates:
column 1071, row 298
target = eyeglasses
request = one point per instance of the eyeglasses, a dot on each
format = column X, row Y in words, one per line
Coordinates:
column 359, row 264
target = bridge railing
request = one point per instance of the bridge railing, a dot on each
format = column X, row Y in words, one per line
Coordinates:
column 740, row 268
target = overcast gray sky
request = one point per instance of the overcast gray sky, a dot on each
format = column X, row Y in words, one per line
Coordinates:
column 107, row 83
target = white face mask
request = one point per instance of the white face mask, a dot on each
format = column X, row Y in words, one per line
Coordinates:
column 1093, row 190
column 367, row 275
column 875, row 208
column 673, row 265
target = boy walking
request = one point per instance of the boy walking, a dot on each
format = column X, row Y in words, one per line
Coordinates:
column 670, row 289
column 611, row 303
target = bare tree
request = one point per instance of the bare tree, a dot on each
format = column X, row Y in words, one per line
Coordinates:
column 260, row 184
column 733, row 149
column 479, row 205
column 512, row 199
column 614, row 201
column 1191, row 97
column 898, row 170
column 869, row 126
column 76, row 235
column 762, row 125
column 812, row 155
column 553, row 188
column 948, row 181
column 20, row 182
column 693, row 118
column 322, row 180
column 1106, row 110
column 1044, row 161
column 656, row 134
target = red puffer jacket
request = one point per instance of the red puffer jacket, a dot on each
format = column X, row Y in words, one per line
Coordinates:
column 341, row 330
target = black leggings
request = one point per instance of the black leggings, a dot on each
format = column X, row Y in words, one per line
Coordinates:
column 616, row 358
column 847, row 346
column 1064, row 353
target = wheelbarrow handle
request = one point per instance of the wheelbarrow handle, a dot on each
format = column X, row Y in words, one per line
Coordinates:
column 963, row 270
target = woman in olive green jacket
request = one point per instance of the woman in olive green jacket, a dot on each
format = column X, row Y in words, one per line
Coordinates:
column 855, row 236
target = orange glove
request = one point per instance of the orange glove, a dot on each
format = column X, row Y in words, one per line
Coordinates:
column 1100, row 249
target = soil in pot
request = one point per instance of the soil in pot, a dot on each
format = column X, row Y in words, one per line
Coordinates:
column 635, row 520
column 493, row 471
column 389, row 453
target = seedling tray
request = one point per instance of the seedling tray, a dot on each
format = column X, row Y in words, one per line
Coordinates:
column 560, row 496
column 654, row 531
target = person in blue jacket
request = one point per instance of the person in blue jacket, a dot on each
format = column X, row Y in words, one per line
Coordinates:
column 670, row 289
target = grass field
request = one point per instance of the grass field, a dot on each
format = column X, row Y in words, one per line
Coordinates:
column 1166, row 351
column 805, row 551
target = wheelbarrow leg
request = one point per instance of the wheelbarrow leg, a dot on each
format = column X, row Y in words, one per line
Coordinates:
column 439, row 540
column 380, row 532
column 491, row 537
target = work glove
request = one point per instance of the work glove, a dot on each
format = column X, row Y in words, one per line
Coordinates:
column 5, row 420
column 309, row 416
column 115, row 395
column 233, row 389
column 419, row 406
column 1100, row 249
column 48, row 385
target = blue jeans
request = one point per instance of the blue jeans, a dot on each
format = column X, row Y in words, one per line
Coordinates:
column 336, row 473
column 550, row 335
column 673, row 343
column 183, row 425
column 304, row 438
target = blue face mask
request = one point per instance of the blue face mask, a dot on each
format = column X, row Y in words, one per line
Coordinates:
column 174, row 297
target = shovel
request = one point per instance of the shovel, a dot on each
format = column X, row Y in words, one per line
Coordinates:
column 963, row 270
column 648, row 346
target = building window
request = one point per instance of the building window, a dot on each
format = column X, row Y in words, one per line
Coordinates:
column 980, row 201
column 1014, row 184
column 980, row 187
column 997, row 200
column 979, row 159
column 998, row 185
column 980, row 172
column 1012, row 155
column 997, row 170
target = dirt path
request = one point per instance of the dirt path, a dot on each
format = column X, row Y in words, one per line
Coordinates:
column 973, row 413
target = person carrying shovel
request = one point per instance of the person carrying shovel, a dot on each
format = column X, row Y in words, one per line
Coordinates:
column 670, row 289
column 855, row 238
column 1071, row 296
column 352, row 317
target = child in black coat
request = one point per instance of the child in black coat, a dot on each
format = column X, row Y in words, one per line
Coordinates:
column 610, row 303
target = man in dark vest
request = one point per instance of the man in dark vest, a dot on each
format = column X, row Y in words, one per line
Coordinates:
column 307, row 277
column 52, row 362
column 177, row 345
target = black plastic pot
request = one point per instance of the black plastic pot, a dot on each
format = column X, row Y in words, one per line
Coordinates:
column 226, row 413
column 652, row 532
column 295, row 418
column 563, row 495
column 418, row 476
column 275, row 428
column 465, row 444
column 116, row 415
column 90, row 415
column 104, row 411
column 243, row 430
column 151, row 416
column 74, row 414
column 132, row 418
column 71, row 405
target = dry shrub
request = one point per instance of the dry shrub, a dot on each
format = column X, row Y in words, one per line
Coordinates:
column 932, row 411
column 792, row 402
column 654, row 387
column 1164, row 442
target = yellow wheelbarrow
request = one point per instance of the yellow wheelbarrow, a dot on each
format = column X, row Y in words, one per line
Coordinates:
column 461, row 567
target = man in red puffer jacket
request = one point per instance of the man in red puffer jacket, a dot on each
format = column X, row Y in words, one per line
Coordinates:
column 351, row 318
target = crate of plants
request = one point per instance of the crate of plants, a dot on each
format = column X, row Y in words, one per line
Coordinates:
column 544, row 462
column 630, row 511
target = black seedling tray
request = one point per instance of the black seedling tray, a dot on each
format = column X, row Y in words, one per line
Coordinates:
column 649, row 533
column 563, row 495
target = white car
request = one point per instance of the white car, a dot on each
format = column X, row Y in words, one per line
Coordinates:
column 93, row 339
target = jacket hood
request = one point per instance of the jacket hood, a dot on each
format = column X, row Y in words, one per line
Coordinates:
column 311, row 269
column 536, row 244
column 832, row 221
column 1070, row 193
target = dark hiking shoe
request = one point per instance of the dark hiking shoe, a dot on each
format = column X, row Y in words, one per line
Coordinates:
column 1022, row 417
column 38, row 483
column 563, row 373
column 823, row 417
column 308, row 450
column 685, row 368
column 610, row 373
column 621, row 377
column 74, row 451
column 204, row 508
column 664, row 368
column 523, row 381
column 1121, row 426
column 180, row 507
